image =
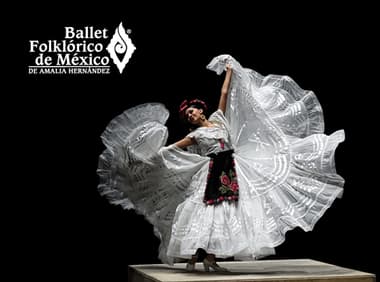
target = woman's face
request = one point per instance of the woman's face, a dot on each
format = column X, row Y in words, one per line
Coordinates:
column 193, row 115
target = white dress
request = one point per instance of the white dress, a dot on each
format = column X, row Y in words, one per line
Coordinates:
column 284, row 163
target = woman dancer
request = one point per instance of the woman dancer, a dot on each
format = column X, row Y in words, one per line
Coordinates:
column 257, row 167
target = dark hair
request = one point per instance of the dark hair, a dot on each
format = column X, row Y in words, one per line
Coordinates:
column 194, row 103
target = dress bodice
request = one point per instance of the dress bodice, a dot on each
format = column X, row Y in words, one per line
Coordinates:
column 212, row 139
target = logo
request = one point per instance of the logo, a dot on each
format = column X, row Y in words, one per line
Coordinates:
column 120, row 44
column 84, row 50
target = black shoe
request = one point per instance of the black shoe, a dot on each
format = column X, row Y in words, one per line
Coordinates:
column 207, row 264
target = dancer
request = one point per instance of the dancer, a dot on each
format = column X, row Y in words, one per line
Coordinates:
column 258, row 166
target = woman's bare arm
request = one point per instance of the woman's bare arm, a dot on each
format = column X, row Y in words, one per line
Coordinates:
column 183, row 143
column 225, row 88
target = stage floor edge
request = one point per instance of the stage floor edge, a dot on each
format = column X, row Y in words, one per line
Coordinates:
column 289, row 270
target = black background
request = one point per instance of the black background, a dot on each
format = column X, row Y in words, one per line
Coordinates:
column 64, row 228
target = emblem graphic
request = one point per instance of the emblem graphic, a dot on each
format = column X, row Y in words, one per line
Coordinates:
column 120, row 48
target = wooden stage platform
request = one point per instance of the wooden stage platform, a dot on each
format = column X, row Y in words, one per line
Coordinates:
column 296, row 270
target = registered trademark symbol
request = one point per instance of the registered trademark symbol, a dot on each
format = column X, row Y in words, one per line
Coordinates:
column 129, row 31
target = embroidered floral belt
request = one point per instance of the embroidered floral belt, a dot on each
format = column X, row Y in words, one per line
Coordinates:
column 222, row 182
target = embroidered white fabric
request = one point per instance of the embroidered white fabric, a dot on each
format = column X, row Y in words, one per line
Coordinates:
column 284, row 162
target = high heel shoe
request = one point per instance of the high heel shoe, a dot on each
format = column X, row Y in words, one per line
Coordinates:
column 207, row 264
column 190, row 266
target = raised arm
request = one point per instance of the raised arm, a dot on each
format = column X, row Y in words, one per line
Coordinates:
column 225, row 88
